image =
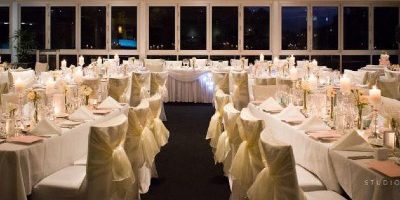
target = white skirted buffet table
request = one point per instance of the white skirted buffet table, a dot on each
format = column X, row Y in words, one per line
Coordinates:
column 23, row 166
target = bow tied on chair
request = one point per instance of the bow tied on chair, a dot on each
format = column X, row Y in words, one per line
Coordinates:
column 215, row 127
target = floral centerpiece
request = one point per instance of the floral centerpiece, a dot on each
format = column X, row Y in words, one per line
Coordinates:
column 361, row 101
column 331, row 94
column 86, row 91
column 306, row 87
column 34, row 97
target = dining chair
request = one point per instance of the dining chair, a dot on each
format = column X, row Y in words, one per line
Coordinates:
column 140, row 87
column 215, row 127
column 118, row 88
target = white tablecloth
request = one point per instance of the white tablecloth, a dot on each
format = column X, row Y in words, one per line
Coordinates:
column 188, row 85
column 23, row 166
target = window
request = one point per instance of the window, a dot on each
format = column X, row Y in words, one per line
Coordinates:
column 224, row 28
column 123, row 27
column 355, row 28
column 5, row 58
column 386, row 19
column 256, row 28
column 4, row 28
column 162, row 28
column 33, row 19
column 71, row 59
column 93, row 27
column 63, row 27
column 325, row 28
column 193, row 28
column 294, row 28
column 328, row 61
column 355, row 62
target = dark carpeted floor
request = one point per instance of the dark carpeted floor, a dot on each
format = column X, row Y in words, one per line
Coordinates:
column 185, row 165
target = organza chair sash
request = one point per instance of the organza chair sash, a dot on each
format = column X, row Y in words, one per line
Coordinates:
column 94, row 84
column 158, row 84
column 139, row 87
column 215, row 127
column 221, row 81
column 109, row 172
column 240, row 91
column 265, row 81
column 161, row 133
column 3, row 89
column 117, row 88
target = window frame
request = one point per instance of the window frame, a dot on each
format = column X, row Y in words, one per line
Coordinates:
column 8, row 51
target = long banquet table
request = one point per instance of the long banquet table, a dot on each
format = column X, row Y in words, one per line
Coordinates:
column 23, row 166
column 333, row 167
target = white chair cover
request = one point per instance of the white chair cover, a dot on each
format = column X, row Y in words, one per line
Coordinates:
column 3, row 89
column 356, row 77
column 117, row 88
column 265, row 81
column 161, row 133
column 41, row 67
column 28, row 76
column 94, row 84
column 229, row 140
column 140, row 86
column 263, row 92
column 8, row 98
column 240, row 90
column 221, row 81
column 158, row 84
column 247, row 162
column 278, row 180
column 215, row 126
column 390, row 87
column 140, row 144
column 154, row 65
column 109, row 173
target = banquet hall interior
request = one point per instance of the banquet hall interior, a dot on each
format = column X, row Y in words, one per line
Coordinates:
column 199, row 99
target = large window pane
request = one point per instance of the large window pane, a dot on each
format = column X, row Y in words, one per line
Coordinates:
column 123, row 27
column 325, row 28
column 224, row 28
column 93, row 27
column 63, row 27
column 4, row 28
column 355, row 28
column 193, row 28
column 355, row 62
column 385, row 21
column 162, row 28
column 294, row 28
column 256, row 28
column 33, row 19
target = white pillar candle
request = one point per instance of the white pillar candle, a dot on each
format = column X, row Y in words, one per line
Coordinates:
column 293, row 74
column 276, row 60
column 81, row 61
column 313, row 82
column 99, row 61
column 314, row 63
column 261, row 57
column 345, row 85
column 50, row 86
column 59, row 104
column 116, row 58
column 374, row 96
column 19, row 86
column 63, row 64
column 292, row 60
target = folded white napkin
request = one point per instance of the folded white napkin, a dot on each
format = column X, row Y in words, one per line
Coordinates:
column 352, row 142
column 109, row 103
column 46, row 127
column 81, row 114
column 270, row 105
column 291, row 112
column 313, row 123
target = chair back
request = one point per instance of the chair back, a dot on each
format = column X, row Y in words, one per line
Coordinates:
column 158, row 84
column 41, row 67
column 221, row 81
column 118, row 87
column 109, row 173
column 230, row 117
column 263, row 92
column 140, row 87
column 94, row 84
column 240, row 89
column 8, row 98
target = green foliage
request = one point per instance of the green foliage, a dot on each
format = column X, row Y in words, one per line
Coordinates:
column 25, row 44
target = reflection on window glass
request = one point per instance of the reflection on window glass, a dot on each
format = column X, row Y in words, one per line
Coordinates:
column 71, row 59
column 93, row 27
column 161, row 57
column 63, row 27
column 325, row 28
column 224, row 28
column 385, row 21
column 294, row 28
column 5, row 58
column 355, row 62
column 355, row 28
column 33, row 19
column 162, row 28
column 256, row 28
column 193, row 28
column 123, row 27
column 332, row 62
column 4, row 28
column 394, row 59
